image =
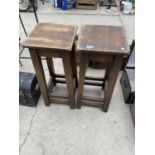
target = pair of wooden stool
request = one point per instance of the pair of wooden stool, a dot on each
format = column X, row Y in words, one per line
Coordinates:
column 105, row 44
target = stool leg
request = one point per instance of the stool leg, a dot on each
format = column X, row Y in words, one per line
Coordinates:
column 107, row 73
column 108, row 70
column 69, row 79
column 83, row 64
column 73, row 65
column 112, row 81
column 40, row 74
column 51, row 69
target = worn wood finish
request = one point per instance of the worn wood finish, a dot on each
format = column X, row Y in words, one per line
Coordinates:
column 50, row 85
column 100, row 58
column 69, row 79
column 49, row 53
column 50, row 66
column 107, row 73
column 40, row 75
column 51, row 36
column 108, row 70
column 83, row 65
column 107, row 45
column 73, row 65
column 111, row 81
column 54, row 41
column 102, row 39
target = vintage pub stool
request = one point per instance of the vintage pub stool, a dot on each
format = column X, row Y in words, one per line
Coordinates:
column 54, row 41
column 104, row 44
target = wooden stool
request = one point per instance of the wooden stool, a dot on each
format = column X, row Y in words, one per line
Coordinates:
column 104, row 44
column 54, row 40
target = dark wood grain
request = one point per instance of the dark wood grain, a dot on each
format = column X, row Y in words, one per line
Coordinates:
column 73, row 65
column 102, row 39
column 54, row 41
column 52, row 36
column 107, row 45
column 50, row 66
column 83, row 65
column 69, row 79
column 40, row 75
column 112, row 81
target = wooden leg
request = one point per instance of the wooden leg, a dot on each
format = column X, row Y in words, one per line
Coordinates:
column 108, row 70
column 69, row 79
column 40, row 74
column 107, row 73
column 51, row 69
column 73, row 65
column 83, row 64
column 112, row 81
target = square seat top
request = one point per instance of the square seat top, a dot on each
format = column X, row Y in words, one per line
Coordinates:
column 51, row 36
column 102, row 39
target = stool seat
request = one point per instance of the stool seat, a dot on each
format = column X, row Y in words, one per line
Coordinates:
column 102, row 39
column 51, row 36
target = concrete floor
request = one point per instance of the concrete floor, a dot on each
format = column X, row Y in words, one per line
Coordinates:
column 58, row 130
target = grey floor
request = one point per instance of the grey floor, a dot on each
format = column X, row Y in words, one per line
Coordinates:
column 58, row 130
